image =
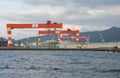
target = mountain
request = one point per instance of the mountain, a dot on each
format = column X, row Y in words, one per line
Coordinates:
column 109, row 35
column 34, row 39
column 3, row 42
column 2, row 39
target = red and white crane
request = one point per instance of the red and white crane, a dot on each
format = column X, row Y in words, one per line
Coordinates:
column 48, row 25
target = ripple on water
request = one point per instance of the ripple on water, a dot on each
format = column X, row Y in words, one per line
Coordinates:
column 59, row 64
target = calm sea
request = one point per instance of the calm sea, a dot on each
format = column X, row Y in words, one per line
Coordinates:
column 59, row 64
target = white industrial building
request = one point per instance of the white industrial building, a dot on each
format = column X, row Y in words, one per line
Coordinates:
column 67, row 44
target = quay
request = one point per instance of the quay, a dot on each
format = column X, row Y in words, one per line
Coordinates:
column 112, row 49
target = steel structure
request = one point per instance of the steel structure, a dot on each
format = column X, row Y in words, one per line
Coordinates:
column 48, row 25
column 60, row 33
column 12, row 26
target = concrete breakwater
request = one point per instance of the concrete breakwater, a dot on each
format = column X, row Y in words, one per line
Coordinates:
column 112, row 49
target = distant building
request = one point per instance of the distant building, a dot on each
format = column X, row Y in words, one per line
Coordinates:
column 49, row 44
column 67, row 44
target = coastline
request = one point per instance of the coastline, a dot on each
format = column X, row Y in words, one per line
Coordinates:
column 60, row 49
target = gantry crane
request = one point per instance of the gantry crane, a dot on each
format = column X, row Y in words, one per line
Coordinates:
column 48, row 25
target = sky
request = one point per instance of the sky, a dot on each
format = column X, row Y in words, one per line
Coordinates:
column 85, row 15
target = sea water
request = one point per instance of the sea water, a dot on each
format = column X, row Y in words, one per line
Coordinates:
column 59, row 64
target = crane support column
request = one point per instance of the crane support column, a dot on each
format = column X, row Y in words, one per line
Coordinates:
column 9, row 32
column 39, row 40
column 60, row 38
column 77, row 37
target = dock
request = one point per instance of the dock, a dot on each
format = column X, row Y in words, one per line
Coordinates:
column 61, row 49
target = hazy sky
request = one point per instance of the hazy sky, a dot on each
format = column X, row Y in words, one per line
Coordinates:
column 86, row 15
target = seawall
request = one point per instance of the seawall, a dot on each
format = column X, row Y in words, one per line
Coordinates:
column 79, row 49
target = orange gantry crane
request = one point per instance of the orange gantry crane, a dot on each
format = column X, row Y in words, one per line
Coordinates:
column 48, row 25
column 60, row 33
